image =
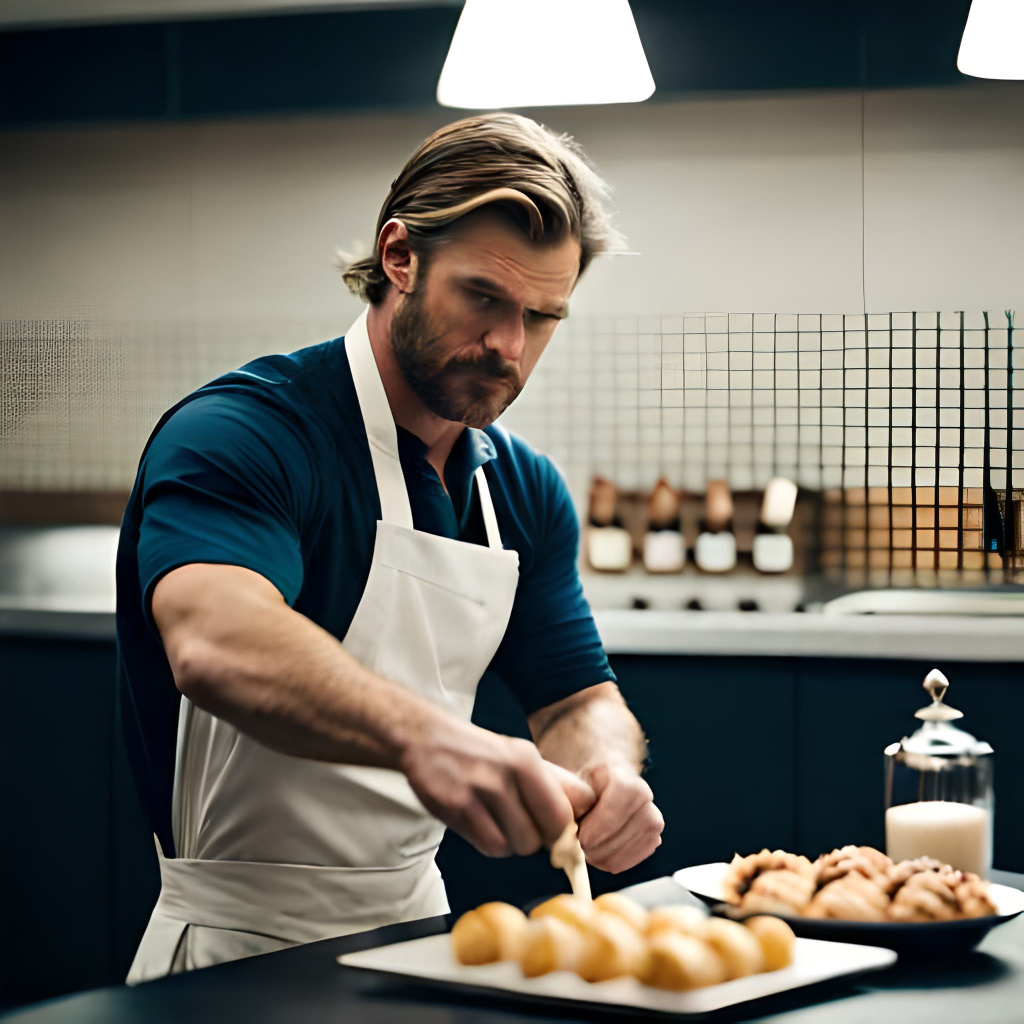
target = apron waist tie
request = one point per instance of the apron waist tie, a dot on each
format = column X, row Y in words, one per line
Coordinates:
column 298, row 902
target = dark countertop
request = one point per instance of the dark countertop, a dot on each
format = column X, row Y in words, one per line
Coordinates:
column 305, row 984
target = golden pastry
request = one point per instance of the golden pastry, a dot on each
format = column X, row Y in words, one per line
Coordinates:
column 855, row 883
column 622, row 906
column 738, row 947
column 898, row 874
column 925, row 896
column 865, row 860
column 743, row 870
column 790, row 889
column 494, row 931
column 973, row 898
column 550, row 945
column 612, row 948
column 850, row 898
column 776, row 939
column 570, row 909
column 679, row 962
column 683, row 918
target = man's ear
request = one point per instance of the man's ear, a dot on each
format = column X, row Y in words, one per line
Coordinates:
column 400, row 263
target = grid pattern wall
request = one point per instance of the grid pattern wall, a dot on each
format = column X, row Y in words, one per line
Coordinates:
column 80, row 395
column 897, row 402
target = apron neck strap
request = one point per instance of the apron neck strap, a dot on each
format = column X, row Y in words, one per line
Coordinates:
column 487, row 508
column 381, row 432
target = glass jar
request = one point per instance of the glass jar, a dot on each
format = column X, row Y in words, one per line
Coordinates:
column 939, row 800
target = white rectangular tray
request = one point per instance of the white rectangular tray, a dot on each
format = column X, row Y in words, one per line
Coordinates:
column 431, row 959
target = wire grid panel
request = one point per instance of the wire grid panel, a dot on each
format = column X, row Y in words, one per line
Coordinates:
column 896, row 400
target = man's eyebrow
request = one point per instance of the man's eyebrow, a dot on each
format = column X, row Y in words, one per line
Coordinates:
column 486, row 284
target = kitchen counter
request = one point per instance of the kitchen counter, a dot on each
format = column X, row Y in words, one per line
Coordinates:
column 795, row 634
column 630, row 631
column 58, row 581
column 305, row 984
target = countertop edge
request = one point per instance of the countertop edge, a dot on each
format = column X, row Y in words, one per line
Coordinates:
column 796, row 634
column 753, row 634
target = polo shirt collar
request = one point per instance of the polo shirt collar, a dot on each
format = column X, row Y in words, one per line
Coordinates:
column 472, row 449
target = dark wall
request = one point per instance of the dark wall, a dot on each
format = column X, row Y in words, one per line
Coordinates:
column 373, row 60
column 745, row 753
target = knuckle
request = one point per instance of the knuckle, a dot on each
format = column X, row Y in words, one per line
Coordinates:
column 527, row 845
column 461, row 801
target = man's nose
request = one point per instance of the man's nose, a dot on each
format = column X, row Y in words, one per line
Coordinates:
column 507, row 338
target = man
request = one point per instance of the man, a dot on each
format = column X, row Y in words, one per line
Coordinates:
column 325, row 551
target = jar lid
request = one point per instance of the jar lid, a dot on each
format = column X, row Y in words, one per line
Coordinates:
column 938, row 737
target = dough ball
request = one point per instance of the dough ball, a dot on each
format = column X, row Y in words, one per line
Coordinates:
column 494, row 931
column 739, row 949
column 689, row 920
column 776, row 938
column 678, row 962
column 612, row 948
column 509, row 923
column 474, row 940
column 550, row 945
column 622, row 906
column 571, row 909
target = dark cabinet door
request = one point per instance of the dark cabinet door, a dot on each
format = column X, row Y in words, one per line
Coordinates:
column 76, row 858
column 57, row 730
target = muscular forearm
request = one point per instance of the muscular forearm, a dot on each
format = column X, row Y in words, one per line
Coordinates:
column 594, row 727
column 238, row 651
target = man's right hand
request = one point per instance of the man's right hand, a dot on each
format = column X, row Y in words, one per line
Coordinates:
column 495, row 791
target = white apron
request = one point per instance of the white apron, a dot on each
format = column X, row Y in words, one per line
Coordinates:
column 276, row 850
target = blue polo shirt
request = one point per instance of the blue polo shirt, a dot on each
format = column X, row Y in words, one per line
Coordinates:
column 268, row 468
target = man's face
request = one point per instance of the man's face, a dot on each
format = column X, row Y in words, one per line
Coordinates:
column 471, row 333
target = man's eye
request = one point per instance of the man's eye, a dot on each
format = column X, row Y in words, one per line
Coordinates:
column 485, row 300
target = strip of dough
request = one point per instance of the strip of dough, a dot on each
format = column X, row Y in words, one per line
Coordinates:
column 567, row 854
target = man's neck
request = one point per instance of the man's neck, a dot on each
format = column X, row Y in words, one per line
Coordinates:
column 439, row 435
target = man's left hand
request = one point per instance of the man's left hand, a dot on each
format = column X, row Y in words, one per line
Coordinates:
column 624, row 826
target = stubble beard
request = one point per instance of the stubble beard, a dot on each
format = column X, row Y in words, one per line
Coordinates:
column 472, row 391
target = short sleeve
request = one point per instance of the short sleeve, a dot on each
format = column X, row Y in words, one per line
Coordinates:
column 225, row 481
column 551, row 647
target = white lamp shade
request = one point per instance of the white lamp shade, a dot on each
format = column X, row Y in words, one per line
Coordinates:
column 993, row 42
column 534, row 53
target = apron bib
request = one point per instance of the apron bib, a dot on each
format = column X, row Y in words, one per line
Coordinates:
column 276, row 850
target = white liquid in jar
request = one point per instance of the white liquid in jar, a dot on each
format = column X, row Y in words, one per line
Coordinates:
column 954, row 833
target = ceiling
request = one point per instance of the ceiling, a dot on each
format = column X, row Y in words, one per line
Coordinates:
column 273, row 58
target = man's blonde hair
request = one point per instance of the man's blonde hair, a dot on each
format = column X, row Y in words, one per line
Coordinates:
column 540, row 179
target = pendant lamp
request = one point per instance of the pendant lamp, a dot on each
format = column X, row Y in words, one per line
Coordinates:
column 533, row 53
column 993, row 41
